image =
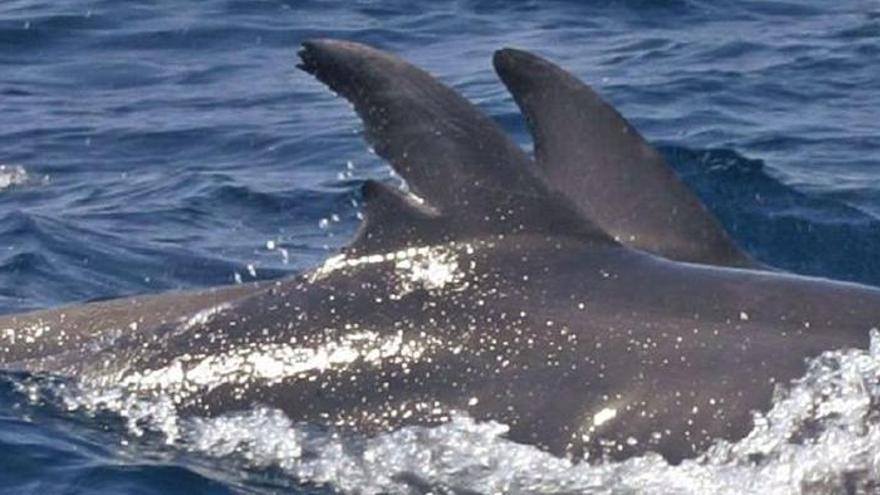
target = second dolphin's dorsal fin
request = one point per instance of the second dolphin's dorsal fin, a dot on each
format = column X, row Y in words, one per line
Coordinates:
column 594, row 156
column 448, row 152
column 394, row 220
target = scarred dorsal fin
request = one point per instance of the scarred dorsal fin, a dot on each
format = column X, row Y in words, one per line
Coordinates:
column 449, row 153
column 594, row 156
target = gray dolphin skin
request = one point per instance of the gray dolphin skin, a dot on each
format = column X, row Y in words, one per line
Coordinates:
column 586, row 298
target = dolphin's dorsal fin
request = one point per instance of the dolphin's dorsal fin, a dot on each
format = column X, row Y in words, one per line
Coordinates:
column 594, row 156
column 449, row 153
column 394, row 219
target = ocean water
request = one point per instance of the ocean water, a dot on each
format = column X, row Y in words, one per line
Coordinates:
column 148, row 146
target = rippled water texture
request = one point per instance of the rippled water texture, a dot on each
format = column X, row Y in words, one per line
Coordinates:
column 146, row 146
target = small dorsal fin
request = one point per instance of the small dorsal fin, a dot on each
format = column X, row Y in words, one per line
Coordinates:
column 594, row 156
column 394, row 220
column 448, row 152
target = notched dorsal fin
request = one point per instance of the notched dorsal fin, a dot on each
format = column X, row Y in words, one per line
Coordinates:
column 394, row 220
column 448, row 152
column 596, row 158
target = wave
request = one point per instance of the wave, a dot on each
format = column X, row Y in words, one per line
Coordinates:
column 781, row 226
column 821, row 435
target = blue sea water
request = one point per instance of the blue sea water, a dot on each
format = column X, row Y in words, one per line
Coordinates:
column 148, row 146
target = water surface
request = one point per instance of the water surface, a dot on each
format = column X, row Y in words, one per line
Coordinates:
column 148, row 146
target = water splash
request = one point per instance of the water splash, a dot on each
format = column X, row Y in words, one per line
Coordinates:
column 189, row 374
column 12, row 175
column 432, row 268
column 822, row 435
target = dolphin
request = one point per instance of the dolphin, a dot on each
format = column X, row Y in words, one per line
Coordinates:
column 584, row 298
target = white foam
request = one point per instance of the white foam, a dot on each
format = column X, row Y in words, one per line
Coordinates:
column 12, row 175
column 822, row 435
